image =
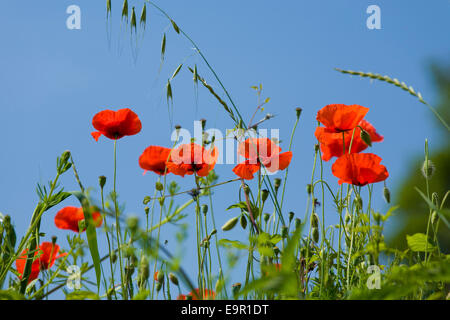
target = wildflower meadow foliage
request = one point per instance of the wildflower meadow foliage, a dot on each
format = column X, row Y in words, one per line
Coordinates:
column 288, row 256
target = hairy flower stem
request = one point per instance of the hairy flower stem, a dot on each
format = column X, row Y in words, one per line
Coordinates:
column 118, row 233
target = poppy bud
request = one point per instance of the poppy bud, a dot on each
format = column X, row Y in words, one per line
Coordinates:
column 434, row 218
column 387, row 195
column 347, row 218
column 435, row 198
column 102, row 181
column 291, row 216
column 54, row 238
column 266, row 217
column 315, row 234
column 365, row 136
column 160, row 276
column 177, row 127
column 235, row 288
column 158, row 286
column 205, row 209
column 213, row 232
column 81, row 225
column 277, row 183
column 146, row 200
column 428, row 169
column 276, row 250
column 316, row 147
column 246, row 189
column 113, row 257
column 230, row 224
column 159, row 186
column 173, row 278
column 161, row 201
column 203, row 122
column 314, row 220
column 309, row 188
column 298, row 112
column 146, row 210
column 133, row 223
column 298, row 222
column 143, row 269
column 243, row 221
column 284, row 232
column 264, row 194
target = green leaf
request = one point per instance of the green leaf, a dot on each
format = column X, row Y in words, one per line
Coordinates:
column 10, row 295
column 419, row 243
column 233, row 244
column 275, row 238
column 91, row 233
column 82, row 295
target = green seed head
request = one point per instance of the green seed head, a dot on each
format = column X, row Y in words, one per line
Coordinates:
column 264, row 194
column 159, row 186
column 230, row 224
column 173, row 278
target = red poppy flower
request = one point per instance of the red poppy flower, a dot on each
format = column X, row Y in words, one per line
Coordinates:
column 207, row 294
column 261, row 151
column 181, row 297
column 341, row 117
column 44, row 259
column 359, row 169
column 331, row 142
column 116, row 124
column 69, row 217
column 192, row 158
column 154, row 158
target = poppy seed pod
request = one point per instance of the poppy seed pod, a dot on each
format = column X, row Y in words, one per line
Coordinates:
column 264, row 194
column 205, row 209
column 146, row 210
column 230, row 224
column 54, row 238
column 298, row 112
column 213, row 232
column 266, row 217
column 102, row 181
column 316, row 147
column 309, row 188
column 173, row 278
column 203, row 122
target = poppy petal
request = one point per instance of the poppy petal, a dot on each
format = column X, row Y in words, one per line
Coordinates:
column 245, row 170
column 341, row 117
column 359, row 169
column 279, row 162
column 96, row 135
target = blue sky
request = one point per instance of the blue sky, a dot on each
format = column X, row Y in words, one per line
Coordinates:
column 53, row 80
